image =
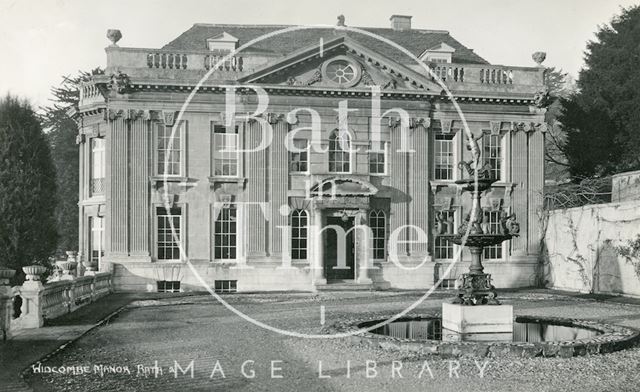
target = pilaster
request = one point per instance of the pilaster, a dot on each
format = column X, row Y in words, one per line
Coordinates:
column 399, row 181
column 278, row 184
column 139, row 185
column 256, row 174
column 117, row 188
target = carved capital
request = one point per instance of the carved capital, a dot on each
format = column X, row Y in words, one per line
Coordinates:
column 134, row 114
column 80, row 138
column 416, row 122
column 113, row 114
column 274, row 118
column 394, row 121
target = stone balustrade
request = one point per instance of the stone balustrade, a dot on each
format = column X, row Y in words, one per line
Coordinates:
column 33, row 303
column 158, row 63
column 490, row 78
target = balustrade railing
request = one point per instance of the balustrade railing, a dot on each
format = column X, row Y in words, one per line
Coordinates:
column 56, row 299
column 496, row 76
column 167, row 60
column 82, row 290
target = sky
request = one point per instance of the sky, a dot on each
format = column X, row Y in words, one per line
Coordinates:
column 40, row 41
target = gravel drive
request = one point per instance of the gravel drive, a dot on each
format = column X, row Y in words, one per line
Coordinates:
column 201, row 330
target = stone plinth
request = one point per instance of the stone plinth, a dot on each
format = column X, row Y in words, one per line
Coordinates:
column 488, row 322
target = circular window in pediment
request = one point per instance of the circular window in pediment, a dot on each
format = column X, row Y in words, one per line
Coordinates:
column 342, row 71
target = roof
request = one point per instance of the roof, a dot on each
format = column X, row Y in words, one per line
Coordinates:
column 414, row 40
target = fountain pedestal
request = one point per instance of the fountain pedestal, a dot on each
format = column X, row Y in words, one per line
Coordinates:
column 477, row 323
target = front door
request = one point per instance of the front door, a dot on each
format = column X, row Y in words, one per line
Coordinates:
column 332, row 250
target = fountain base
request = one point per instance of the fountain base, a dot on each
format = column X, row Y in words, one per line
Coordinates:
column 482, row 323
column 476, row 289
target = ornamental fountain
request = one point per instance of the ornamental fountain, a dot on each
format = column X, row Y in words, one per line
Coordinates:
column 461, row 320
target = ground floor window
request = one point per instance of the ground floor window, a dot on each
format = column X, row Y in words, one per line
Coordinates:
column 169, row 238
column 299, row 223
column 443, row 250
column 378, row 225
column 225, row 233
column 96, row 240
column 491, row 223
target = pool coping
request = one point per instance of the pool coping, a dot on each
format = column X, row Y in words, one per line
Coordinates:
column 612, row 338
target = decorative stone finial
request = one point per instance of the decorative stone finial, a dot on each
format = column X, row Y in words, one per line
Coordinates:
column 340, row 20
column 539, row 57
column 114, row 36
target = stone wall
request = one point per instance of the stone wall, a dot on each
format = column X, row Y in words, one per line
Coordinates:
column 580, row 248
column 625, row 186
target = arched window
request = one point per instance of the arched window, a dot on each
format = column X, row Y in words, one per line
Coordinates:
column 299, row 235
column 378, row 225
column 339, row 155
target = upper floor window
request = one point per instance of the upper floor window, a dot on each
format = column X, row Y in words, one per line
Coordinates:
column 493, row 154
column 339, row 152
column 378, row 225
column 299, row 158
column 299, row 223
column 169, row 150
column 96, row 183
column 378, row 159
column 225, row 151
column 169, row 235
column 491, row 223
column 225, row 233
column 444, row 156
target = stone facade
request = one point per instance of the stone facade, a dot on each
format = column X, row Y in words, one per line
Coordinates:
column 128, row 115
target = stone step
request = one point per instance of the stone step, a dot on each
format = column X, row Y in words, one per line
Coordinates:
column 345, row 286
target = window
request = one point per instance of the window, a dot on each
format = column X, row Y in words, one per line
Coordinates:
column 491, row 222
column 341, row 71
column 168, row 286
column 225, row 286
column 339, row 155
column 444, row 156
column 96, row 240
column 299, row 160
column 96, row 183
column 493, row 154
column 443, row 250
column 225, row 151
column 225, row 233
column 299, row 235
column 377, row 159
column 169, row 150
column 378, row 225
column 169, row 240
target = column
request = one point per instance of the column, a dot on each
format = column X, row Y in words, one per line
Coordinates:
column 363, row 246
column 139, row 185
column 317, row 264
column 117, row 192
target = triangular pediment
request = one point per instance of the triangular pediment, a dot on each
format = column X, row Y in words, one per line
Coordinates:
column 341, row 63
column 224, row 37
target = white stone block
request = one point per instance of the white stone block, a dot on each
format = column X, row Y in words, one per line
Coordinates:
column 477, row 319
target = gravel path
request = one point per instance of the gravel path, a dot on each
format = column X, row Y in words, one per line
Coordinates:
column 219, row 342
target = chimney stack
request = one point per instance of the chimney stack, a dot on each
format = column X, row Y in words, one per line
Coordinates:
column 400, row 22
